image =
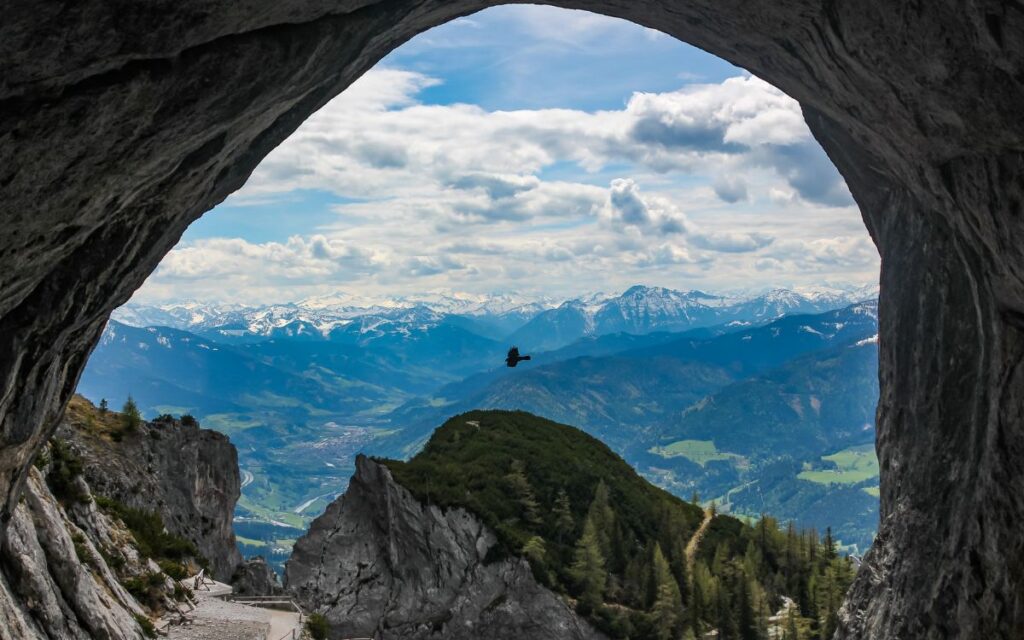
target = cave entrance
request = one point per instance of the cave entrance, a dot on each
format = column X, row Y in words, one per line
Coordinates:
column 928, row 145
column 601, row 156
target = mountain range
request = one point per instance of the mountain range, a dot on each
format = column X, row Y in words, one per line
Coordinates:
column 540, row 324
column 743, row 399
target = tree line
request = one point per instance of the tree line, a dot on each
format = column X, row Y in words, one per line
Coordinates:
column 737, row 586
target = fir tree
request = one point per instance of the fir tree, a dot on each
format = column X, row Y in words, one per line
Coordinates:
column 791, row 632
column 680, row 570
column 830, row 545
column 523, row 492
column 600, row 512
column 745, row 622
column 701, row 598
column 130, row 416
column 667, row 601
column 588, row 568
column 534, row 550
column 565, row 525
column 724, row 616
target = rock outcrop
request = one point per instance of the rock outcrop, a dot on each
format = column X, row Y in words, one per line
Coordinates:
column 66, row 561
column 378, row 563
column 57, row 580
column 186, row 474
column 254, row 577
column 122, row 123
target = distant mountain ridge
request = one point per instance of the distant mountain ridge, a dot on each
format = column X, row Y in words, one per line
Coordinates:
column 643, row 386
column 641, row 310
column 537, row 323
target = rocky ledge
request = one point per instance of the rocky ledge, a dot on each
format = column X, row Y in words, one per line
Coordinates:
column 70, row 566
column 186, row 474
column 378, row 563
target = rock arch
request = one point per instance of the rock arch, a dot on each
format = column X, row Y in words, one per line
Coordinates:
column 120, row 123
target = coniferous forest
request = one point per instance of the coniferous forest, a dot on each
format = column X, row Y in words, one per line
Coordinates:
column 633, row 559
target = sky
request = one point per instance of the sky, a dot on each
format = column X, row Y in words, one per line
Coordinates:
column 535, row 150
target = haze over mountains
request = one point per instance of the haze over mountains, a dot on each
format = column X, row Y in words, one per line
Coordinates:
column 735, row 397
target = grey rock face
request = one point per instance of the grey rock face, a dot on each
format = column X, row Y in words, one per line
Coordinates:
column 55, row 583
column 254, row 577
column 120, row 124
column 186, row 474
column 380, row 564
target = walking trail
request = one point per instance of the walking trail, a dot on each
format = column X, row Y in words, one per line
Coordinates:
column 216, row 619
column 691, row 546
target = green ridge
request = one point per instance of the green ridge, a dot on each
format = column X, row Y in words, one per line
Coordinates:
column 612, row 543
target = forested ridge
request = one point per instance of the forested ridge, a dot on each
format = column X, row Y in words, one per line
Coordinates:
column 615, row 545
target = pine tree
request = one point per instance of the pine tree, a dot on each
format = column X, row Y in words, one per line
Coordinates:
column 667, row 601
column 534, row 550
column 130, row 416
column 791, row 633
column 791, row 559
column 601, row 513
column 523, row 492
column 724, row 616
column 702, row 602
column 745, row 621
column 565, row 525
column 830, row 545
column 588, row 568
column 680, row 570
column 103, row 406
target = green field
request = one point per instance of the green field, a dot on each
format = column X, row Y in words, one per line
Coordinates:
column 852, row 465
column 698, row 451
column 250, row 541
column 872, row 491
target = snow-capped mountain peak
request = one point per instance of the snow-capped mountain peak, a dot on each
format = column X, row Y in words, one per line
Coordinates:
column 541, row 322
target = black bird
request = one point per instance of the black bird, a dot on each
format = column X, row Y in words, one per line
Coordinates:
column 513, row 357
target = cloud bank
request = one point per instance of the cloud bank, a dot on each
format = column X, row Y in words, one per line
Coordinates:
column 705, row 186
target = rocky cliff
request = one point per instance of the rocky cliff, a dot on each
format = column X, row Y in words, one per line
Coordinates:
column 186, row 474
column 378, row 563
column 58, row 578
column 72, row 569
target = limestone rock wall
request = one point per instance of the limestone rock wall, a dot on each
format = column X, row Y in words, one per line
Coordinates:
column 186, row 474
column 380, row 564
column 54, row 581
column 254, row 577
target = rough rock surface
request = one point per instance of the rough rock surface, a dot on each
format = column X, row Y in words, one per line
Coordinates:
column 186, row 474
column 56, row 583
column 254, row 577
column 378, row 563
column 121, row 123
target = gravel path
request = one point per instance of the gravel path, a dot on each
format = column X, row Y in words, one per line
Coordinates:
column 215, row 619
column 691, row 546
column 282, row 623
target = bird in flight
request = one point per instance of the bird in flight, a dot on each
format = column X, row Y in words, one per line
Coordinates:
column 513, row 357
